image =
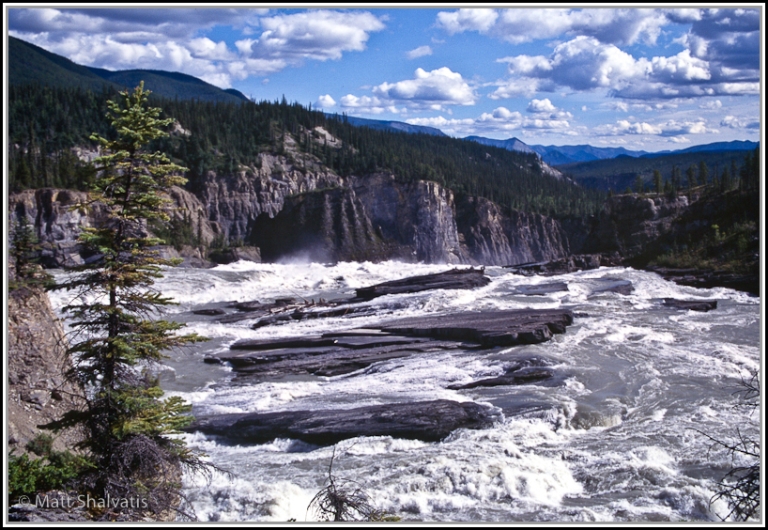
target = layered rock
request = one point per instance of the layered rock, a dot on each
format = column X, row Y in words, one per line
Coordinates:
column 418, row 217
column 293, row 206
column 493, row 238
column 234, row 202
column 58, row 222
column 38, row 391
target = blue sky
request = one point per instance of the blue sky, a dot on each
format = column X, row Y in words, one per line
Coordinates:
column 638, row 77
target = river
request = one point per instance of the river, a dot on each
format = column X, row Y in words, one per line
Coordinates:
column 618, row 438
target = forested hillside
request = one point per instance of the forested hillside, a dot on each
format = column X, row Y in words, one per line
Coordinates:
column 47, row 123
column 623, row 171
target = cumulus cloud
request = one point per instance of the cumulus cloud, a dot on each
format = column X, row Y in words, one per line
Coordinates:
column 467, row 20
column 670, row 128
column 584, row 63
column 325, row 102
column 500, row 121
column 170, row 39
column 711, row 105
column 421, row 51
column 732, row 122
column 541, row 105
column 319, row 35
column 428, row 89
column 518, row 25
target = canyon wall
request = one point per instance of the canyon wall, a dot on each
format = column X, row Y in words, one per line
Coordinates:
column 291, row 208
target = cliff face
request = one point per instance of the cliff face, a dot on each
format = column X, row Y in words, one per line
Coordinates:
column 58, row 225
column 37, row 390
column 233, row 202
column 633, row 224
column 300, row 208
column 418, row 218
column 493, row 238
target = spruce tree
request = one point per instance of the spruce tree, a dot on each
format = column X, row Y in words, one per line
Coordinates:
column 117, row 336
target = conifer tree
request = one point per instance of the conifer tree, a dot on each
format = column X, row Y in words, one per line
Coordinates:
column 116, row 333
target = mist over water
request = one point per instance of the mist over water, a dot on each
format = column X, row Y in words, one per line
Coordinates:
column 616, row 439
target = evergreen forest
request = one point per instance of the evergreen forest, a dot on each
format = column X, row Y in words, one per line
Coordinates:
column 46, row 124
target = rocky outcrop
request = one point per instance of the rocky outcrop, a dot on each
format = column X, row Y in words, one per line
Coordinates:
column 493, row 238
column 633, row 224
column 430, row 421
column 418, row 217
column 295, row 207
column 326, row 226
column 234, row 202
column 37, row 391
column 58, row 222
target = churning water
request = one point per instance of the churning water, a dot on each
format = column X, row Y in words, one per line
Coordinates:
column 620, row 439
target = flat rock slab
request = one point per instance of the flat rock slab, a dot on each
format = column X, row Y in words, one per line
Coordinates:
column 692, row 305
column 323, row 361
column 429, row 421
column 338, row 353
column 487, row 328
column 452, row 279
column 542, row 289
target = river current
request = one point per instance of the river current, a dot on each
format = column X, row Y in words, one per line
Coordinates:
column 618, row 438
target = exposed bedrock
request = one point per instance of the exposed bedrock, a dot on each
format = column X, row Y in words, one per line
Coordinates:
column 430, row 421
column 325, row 226
column 347, row 351
column 493, row 238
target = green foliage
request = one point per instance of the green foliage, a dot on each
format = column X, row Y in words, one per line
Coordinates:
column 618, row 173
column 115, row 334
column 225, row 137
column 24, row 253
column 53, row 470
column 731, row 241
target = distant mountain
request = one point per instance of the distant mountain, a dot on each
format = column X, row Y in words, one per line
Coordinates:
column 558, row 155
column 735, row 145
column 30, row 64
column 566, row 154
column 511, row 144
column 621, row 172
column 397, row 126
column 170, row 84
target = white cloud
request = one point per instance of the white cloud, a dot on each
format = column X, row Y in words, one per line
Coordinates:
column 467, row 20
column 585, row 64
column 670, row 128
column 325, row 102
column 170, row 39
column 421, row 51
column 438, row 87
column 681, row 67
column 712, row 105
column 541, row 105
column 518, row 25
column 500, row 120
column 319, row 35
column 732, row 122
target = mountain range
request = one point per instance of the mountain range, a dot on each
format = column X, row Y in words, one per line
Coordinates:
column 30, row 64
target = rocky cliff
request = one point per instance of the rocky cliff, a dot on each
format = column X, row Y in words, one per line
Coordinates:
column 37, row 391
column 493, row 238
column 290, row 207
column 634, row 224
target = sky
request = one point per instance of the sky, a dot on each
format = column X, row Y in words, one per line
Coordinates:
column 638, row 77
